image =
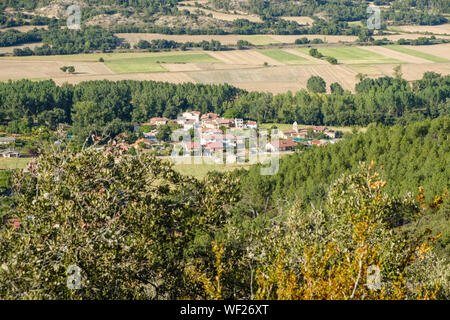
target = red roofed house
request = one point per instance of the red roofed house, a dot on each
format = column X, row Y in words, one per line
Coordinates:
column 319, row 143
column 251, row 124
column 139, row 142
column 209, row 116
column 212, row 147
column 228, row 123
column 192, row 146
column 157, row 121
column 281, row 145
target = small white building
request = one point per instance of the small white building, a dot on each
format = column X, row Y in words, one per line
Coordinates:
column 9, row 153
column 239, row 123
column 192, row 115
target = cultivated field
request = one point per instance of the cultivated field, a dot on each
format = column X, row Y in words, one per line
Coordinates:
column 422, row 55
column 285, row 57
column 278, row 79
column 287, row 69
column 354, row 55
column 153, row 63
column 439, row 29
column 390, row 52
column 438, row 50
column 244, row 57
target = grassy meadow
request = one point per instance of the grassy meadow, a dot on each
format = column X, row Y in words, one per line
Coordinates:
column 353, row 55
column 284, row 57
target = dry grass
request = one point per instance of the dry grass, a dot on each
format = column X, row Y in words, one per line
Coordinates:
column 439, row 29
column 300, row 20
column 134, row 38
column 438, row 50
column 221, row 15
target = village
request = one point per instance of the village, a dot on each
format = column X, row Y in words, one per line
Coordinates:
column 207, row 135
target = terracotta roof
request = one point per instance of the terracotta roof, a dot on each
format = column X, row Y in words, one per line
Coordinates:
column 284, row 143
column 192, row 145
column 214, row 145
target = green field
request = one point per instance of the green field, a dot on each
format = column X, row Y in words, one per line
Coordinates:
column 152, row 64
column 284, row 57
column 200, row 171
column 415, row 53
column 259, row 39
column 353, row 55
column 13, row 163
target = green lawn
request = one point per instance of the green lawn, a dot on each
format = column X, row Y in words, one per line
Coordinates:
column 284, row 57
column 415, row 53
column 200, row 171
column 353, row 55
column 152, row 64
column 13, row 163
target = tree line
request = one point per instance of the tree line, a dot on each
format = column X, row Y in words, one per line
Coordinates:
column 96, row 105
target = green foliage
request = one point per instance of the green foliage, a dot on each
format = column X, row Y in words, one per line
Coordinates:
column 412, row 156
column 316, row 84
column 164, row 133
column 125, row 221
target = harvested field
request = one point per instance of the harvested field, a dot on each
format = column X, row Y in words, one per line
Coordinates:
column 438, row 29
column 177, row 67
column 285, row 57
column 396, row 37
column 387, row 52
column 415, row 71
column 437, row 50
column 243, row 57
column 172, row 77
column 47, row 69
column 278, row 79
column 409, row 51
column 368, row 69
column 300, row 20
column 11, row 49
column 312, row 60
column 153, row 63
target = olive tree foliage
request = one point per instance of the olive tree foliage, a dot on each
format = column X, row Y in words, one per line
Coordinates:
column 123, row 220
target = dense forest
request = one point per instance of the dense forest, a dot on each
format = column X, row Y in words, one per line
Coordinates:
column 95, row 105
column 138, row 219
